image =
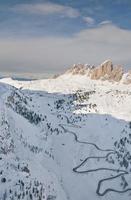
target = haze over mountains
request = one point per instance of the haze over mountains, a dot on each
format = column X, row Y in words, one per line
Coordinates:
column 105, row 71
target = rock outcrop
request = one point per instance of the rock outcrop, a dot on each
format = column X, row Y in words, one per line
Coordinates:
column 102, row 70
column 106, row 71
column 117, row 73
column 80, row 69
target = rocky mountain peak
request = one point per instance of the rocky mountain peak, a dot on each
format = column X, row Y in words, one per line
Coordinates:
column 81, row 69
column 106, row 71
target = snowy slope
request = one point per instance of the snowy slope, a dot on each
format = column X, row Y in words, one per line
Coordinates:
column 65, row 138
column 22, row 145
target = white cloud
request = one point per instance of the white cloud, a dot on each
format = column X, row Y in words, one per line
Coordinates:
column 47, row 9
column 54, row 53
column 89, row 20
column 105, row 22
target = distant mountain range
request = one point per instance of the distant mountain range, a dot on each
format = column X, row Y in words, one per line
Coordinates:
column 105, row 71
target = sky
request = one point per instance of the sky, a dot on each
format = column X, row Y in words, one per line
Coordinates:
column 40, row 36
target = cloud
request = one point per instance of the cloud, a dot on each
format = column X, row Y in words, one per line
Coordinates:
column 47, row 9
column 89, row 20
column 91, row 46
column 105, row 22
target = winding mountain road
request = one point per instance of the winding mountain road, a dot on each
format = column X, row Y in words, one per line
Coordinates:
column 109, row 152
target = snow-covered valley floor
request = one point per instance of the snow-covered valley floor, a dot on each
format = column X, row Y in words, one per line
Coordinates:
column 66, row 138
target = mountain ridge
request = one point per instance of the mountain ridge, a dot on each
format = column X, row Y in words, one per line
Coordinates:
column 104, row 71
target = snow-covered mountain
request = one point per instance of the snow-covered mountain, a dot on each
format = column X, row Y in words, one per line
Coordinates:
column 66, row 138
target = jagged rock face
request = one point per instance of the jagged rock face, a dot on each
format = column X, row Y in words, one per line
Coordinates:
column 106, row 71
column 79, row 69
column 117, row 73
